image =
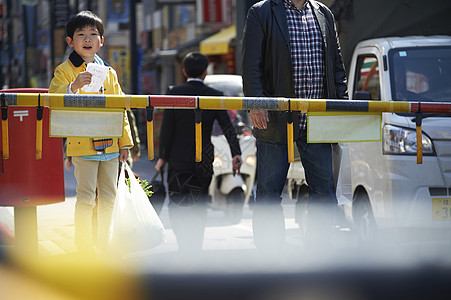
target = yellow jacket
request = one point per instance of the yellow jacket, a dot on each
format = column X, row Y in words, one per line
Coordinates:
column 66, row 73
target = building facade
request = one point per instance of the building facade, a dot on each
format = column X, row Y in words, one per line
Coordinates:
column 145, row 40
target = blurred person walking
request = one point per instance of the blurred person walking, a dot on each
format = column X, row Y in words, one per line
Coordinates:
column 188, row 180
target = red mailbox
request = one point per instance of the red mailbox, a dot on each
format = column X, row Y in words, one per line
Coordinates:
column 24, row 180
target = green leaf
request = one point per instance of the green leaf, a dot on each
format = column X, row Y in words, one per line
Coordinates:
column 144, row 184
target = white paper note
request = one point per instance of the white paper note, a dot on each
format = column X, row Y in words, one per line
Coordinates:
column 99, row 74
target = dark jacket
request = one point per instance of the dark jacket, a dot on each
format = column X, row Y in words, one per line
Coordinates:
column 266, row 65
column 177, row 137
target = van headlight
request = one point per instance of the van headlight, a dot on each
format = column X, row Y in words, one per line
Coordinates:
column 217, row 163
column 398, row 140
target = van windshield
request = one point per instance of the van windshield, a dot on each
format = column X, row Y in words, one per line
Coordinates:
column 421, row 74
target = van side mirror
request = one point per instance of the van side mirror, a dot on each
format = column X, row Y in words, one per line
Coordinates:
column 362, row 95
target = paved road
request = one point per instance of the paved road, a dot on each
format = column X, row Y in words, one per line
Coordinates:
column 229, row 266
column 224, row 243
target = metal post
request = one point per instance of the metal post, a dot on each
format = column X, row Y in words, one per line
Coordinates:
column 133, row 49
column 25, row 42
column 10, row 40
column 26, row 230
column 52, row 38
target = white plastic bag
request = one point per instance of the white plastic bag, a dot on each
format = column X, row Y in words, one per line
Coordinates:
column 134, row 226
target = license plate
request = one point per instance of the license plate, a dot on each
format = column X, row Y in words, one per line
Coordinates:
column 441, row 209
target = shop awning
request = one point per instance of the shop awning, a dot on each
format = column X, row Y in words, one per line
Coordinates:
column 218, row 43
column 181, row 50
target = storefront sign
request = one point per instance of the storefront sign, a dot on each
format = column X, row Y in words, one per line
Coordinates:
column 120, row 61
column 118, row 11
column 212, row 10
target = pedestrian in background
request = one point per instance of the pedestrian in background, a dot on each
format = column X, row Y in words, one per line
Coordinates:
column 96, row 161
column 188, row 180
column 291, row 49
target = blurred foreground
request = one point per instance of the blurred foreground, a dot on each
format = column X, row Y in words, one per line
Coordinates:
column 408, row 265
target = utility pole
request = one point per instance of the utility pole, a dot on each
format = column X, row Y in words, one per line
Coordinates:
column 52, row 36
column 133, row 48
column 9, row 29
column 25, row 44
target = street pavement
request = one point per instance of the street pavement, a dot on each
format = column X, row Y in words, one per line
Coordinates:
column 228, row 265
column 56, row 222
column 225, row 245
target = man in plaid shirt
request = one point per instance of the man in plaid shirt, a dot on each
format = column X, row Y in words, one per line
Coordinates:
column 291, row 49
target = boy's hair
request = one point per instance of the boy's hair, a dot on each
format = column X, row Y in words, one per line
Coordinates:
column 195, row 64
column 83, row 19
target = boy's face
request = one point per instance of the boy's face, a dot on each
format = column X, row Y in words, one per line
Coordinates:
column 86, row 42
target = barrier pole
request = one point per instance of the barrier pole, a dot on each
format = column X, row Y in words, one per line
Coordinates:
column 26, row 230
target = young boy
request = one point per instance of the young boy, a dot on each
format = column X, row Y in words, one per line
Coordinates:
column 95, row 166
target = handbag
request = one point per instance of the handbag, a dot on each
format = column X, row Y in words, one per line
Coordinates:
column 185, row 189
column 134, row 225
column 158, row 191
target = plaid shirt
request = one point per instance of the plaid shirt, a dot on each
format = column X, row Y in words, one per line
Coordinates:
column 307, row 55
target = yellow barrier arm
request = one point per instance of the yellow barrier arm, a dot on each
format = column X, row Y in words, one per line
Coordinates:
column 191, row 102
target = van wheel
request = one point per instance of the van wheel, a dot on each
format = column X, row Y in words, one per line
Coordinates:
column 363, row 217
column 235, row 202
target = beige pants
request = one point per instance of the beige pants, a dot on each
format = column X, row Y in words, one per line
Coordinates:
column 91, row 174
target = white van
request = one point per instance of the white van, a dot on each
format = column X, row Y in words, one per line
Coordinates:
column 388, row 188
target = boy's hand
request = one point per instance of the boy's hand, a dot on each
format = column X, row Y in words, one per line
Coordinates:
column 82, row 79
column 123, row 155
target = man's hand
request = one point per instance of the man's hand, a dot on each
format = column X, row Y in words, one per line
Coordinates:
column 259, row 118
column 82, row 79
column 123, row 155
column 236, row 164
column 68, row 163
column 160, row 164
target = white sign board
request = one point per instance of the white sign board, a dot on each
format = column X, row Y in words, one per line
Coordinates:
column 343, row 127
column 84, row 123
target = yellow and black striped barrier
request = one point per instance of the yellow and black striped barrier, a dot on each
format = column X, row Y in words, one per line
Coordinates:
column 67, row 101
column 204, row 102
